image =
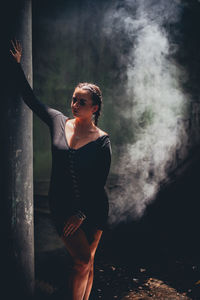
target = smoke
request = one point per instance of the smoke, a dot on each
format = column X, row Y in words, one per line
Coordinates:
column 159, row 106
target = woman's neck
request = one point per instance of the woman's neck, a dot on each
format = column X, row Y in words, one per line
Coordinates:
column 84, row 123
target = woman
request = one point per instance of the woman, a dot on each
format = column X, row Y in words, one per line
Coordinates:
column 81, row 157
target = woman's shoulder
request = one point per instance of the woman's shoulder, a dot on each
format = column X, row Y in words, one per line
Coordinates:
column 103, row 139
column 101, row 132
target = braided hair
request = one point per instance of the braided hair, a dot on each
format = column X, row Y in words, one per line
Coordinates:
column 96, row 97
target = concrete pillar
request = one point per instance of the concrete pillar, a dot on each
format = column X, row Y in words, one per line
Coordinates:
column 17, row 161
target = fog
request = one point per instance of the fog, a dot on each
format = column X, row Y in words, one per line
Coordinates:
column 159, row 105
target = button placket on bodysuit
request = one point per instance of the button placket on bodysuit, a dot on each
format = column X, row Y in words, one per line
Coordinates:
column 74, row 175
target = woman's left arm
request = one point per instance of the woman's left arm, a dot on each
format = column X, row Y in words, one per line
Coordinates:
column 105, row 162
column 43, row 111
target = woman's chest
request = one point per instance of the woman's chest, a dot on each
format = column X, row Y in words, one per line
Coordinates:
column 81, row 160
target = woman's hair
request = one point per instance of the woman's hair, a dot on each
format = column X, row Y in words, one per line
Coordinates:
column 96, row 97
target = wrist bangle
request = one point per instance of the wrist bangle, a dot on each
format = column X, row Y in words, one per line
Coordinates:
column 81, row 215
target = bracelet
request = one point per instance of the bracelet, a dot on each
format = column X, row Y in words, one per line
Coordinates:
column 81, row 215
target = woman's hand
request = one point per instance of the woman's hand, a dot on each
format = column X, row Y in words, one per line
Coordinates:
column 72, row 225
column 18, row 50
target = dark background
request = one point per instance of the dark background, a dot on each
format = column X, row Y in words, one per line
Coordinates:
column 68, row 47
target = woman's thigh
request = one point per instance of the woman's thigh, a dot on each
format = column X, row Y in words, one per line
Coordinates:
column 95, row 236
column 78, row 245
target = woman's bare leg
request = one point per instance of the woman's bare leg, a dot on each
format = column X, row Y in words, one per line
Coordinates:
column 79, row 248
column 93, row 247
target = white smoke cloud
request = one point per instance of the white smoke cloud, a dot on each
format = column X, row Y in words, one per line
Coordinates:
column 159, row 106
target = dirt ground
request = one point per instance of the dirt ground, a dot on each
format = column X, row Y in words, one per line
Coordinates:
column 177, row 280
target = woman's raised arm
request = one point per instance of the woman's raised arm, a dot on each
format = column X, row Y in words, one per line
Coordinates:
column 42, row 110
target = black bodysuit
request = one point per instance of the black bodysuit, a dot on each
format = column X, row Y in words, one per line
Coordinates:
column 78, row 176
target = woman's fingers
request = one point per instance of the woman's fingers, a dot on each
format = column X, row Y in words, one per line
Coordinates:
column 67, row 233
column 12, row 52
column 67, row 224
column 73, row 230
column 71, row 226
column 13, row 45
column 16, row 45
column 68, row 229
column 19, row 47
column 16, row 51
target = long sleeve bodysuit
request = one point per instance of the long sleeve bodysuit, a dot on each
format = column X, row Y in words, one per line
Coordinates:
column 78, row 176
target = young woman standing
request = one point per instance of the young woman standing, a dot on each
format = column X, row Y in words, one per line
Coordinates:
column 81, row 158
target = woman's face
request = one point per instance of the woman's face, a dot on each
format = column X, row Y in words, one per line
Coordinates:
column 82, row 105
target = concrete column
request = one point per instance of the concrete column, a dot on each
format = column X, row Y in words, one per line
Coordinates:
column 17, row 162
